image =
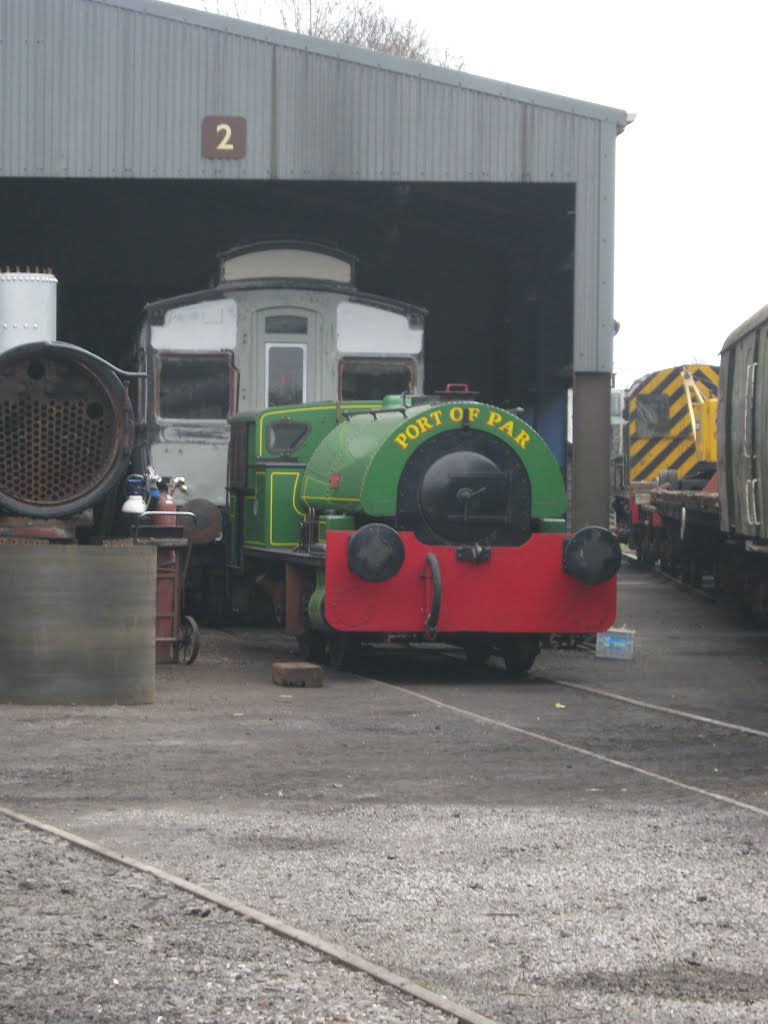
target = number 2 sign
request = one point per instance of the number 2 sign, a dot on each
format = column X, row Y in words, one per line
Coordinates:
column 223, row 137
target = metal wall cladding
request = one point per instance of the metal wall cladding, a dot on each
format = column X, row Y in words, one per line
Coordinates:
column 339, row 119
column 90, row 89
column 99, row 88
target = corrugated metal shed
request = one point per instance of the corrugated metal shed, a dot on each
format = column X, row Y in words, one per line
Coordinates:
column 119, row 89
column 104, row 88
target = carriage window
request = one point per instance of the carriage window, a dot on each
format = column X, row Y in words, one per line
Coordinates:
column 285, row 324
column 374, row 378
column 285, row 435
column 285, row 374
column 652, row 415
column 194, row 387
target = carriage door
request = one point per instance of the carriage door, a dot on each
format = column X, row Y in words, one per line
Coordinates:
column 749, row 481
column 286, row 344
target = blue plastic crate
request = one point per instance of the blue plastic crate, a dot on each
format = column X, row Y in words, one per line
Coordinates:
column 616, row 643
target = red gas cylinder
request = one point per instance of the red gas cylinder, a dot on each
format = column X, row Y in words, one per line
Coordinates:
column 164, row 503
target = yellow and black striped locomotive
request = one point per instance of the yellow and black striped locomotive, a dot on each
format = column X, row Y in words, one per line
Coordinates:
column 670, row 448
column 671, row 426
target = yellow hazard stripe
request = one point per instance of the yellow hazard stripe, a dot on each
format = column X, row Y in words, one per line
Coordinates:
column 687, row 466
column 661, row 456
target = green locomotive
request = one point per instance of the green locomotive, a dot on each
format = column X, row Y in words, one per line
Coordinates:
column 411, row 517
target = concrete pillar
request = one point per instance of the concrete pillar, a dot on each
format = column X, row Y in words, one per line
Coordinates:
column 77, row 624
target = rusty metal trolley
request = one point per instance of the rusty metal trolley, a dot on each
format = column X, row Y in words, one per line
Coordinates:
column 177, row 638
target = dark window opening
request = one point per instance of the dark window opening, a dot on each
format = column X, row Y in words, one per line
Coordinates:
column 366, row 379
column 652, row 415
column 285, row 323
column 194, row 387
column 237, row 460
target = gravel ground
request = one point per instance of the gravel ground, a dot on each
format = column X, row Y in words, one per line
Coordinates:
column 533, row 916
column 533, row 884
column 653, row 916
column 85, row 939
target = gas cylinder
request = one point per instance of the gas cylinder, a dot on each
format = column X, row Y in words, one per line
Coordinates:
column 164, row 503
column 135, row 504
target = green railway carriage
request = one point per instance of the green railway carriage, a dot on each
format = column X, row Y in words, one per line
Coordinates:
column 411, row 517
column 742, row 466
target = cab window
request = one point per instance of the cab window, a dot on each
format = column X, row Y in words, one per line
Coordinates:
column 652, row 415
column 285, row 435
column 194, row 387
column 366, row 379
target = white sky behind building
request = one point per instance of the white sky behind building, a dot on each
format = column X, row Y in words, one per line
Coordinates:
column 691, row 209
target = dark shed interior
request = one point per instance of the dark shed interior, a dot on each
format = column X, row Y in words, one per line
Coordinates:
column 493, row 263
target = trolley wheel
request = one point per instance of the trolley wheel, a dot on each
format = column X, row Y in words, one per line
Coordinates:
column 519, row 654
column 343, row 650
column 188, row 644
column 311, row 645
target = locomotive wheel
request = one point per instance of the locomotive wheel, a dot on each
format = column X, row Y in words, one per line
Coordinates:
column 311, row 645
column 519, row 654
column 215, row 602
column 477, row 653
column 343, row 650
column 188, row 644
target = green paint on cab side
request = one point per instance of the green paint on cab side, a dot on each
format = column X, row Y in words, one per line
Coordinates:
column 280, row 440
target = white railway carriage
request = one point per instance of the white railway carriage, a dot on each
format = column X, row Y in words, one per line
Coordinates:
column 284, row 324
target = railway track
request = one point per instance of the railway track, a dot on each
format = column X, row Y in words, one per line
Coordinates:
column 707, row 593
column 453, row 1010
column 691, row 716
column 585, row 752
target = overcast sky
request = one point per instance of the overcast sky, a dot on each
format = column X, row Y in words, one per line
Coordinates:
column 691, row 210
